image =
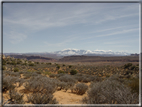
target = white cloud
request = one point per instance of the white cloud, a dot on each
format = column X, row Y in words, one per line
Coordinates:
column 122, row 41
column 113, row 17
column 36, row 18
column 114, row 33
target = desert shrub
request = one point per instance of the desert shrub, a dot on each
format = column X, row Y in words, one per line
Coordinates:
column 128, row 72
column 110, row 92
column 3, row 62
column 59, row 75
column 16, row 74
column 64, row 65
column 80, row 89
column 24, row 64
column 134, row 85
column 3, row 68
column 78, row 78
column 116, row 77
column 52, row 75
column 13, row 63
column 65, row 85
column 8, row 82
column 67, row 82
column 16, row 69
column 67, row 78
column 87, row 78
column 40, row 98
column 27, row 75
column 127, row 65
column 46, row 73
column 8, row 62
column 37, row 62
column 70, row 66
column 21, row 81
column 38, row 72
column 136, row 68
column 62, row 85
column 49, row 63
column 97, row 79
column 73, row 72
column 60, row 71
column 15, row 98
column 31, row 64
column 58, row 67
column 41, row 84
column 34, row 74
column 21, row 72
column 132, row 67
column 7, row 73
column 18, row 62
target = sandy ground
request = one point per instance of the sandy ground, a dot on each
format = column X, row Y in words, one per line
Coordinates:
column 62, row 96
column 67, row 97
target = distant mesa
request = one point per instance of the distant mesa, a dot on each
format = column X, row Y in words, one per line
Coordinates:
column 135, row 54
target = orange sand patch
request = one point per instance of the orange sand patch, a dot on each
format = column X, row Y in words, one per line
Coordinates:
column 67, row 97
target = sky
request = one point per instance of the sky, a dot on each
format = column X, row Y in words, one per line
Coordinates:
column 49, row 27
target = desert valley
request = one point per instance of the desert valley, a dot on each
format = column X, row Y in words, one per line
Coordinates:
column 73, row 79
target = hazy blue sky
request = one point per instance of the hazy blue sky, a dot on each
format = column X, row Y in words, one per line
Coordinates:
column 48, row 27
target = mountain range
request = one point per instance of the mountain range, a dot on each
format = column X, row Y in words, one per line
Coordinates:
column 70, row 52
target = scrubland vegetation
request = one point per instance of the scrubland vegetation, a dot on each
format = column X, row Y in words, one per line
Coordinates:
column 27, row 82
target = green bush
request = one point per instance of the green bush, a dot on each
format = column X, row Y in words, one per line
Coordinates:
column 31, row 64
column 52, row 75
column 60, row 71
column 58, row 67
column 16, row 69
column 48, row 63
column 8, row 62
column 70, row 66
column 24, row 64
column 3, row 68
column 127, row 65
column 73, row 72
column 13, row 63
column 37, row 62
column 3, row 62
column 18, row 62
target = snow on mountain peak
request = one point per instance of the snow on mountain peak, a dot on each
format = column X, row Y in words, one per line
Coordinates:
column 70, row 51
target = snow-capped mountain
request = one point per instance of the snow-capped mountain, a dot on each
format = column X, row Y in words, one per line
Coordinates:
column 67, row 52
